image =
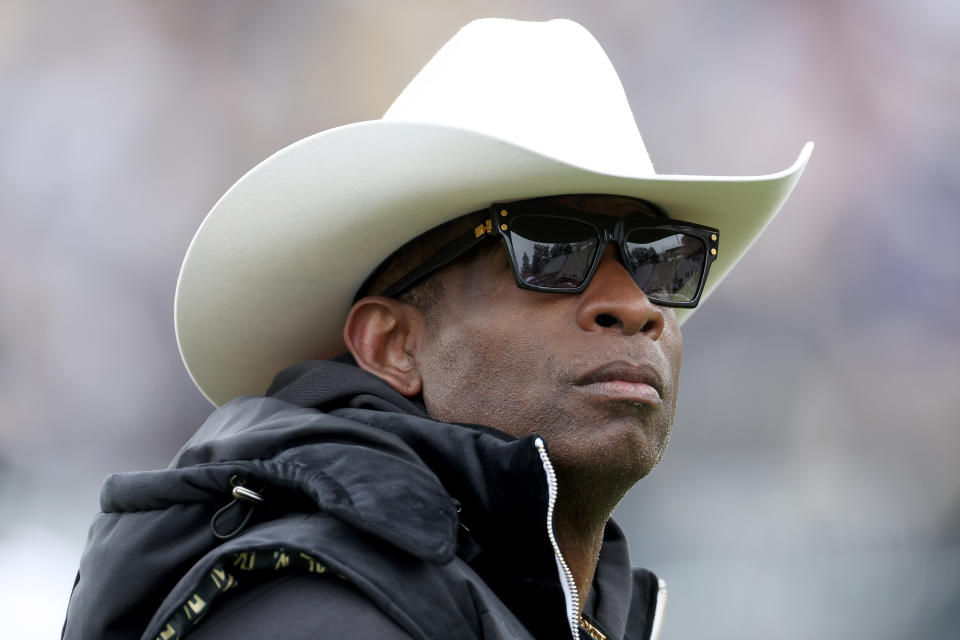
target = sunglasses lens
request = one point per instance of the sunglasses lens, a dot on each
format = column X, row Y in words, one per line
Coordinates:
column 666, row 265
column 553, row 253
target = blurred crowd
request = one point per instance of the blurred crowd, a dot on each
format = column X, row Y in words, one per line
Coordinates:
column 811, row 488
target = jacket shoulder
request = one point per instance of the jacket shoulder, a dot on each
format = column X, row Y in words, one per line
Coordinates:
column 297, row 607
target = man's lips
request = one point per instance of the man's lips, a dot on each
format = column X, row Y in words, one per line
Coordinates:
column 624, row 380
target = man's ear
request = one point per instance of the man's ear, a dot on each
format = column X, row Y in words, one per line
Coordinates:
column 381, row 334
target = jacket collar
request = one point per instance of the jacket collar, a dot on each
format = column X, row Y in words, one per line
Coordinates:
column 496, row 480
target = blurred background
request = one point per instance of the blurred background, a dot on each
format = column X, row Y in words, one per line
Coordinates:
column 811, row 488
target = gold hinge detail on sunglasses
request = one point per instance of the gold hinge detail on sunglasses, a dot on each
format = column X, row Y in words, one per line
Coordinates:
column 480, row 229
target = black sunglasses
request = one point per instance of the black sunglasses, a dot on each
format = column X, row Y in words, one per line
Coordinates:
column 554, row 246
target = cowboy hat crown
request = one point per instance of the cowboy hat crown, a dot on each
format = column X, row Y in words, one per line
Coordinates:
column 546, row 86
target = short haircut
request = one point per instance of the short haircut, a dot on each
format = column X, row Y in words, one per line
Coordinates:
column 428, row 293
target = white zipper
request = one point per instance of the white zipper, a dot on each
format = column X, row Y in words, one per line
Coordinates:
column 566, row 576
column 659, row 609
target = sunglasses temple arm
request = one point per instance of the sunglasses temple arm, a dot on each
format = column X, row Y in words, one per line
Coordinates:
column 444, row 256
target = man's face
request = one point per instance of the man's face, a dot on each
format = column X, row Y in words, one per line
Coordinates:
column 594, row 373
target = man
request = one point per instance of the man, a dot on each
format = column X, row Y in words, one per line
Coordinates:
column 507, row 275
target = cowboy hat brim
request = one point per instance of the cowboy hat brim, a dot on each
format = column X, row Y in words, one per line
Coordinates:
column 270, row 275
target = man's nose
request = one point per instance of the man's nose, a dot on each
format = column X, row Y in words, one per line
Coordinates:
column 613, row 301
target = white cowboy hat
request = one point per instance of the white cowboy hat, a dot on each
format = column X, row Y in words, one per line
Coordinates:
column 505, row 110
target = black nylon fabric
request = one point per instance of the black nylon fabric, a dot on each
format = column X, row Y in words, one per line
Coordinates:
column 357, row 477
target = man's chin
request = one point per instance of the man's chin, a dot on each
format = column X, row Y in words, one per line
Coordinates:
column 623, row 460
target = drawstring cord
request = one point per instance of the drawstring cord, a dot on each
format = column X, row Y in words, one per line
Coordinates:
column 240, row 494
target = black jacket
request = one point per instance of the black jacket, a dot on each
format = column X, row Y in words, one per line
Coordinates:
column 375, row 521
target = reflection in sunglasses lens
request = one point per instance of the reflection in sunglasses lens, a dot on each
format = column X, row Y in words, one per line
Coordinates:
column 666, row 265
column 554, row 253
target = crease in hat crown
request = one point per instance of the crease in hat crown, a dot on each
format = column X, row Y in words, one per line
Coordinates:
column 547, row 86
column 505, row 110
